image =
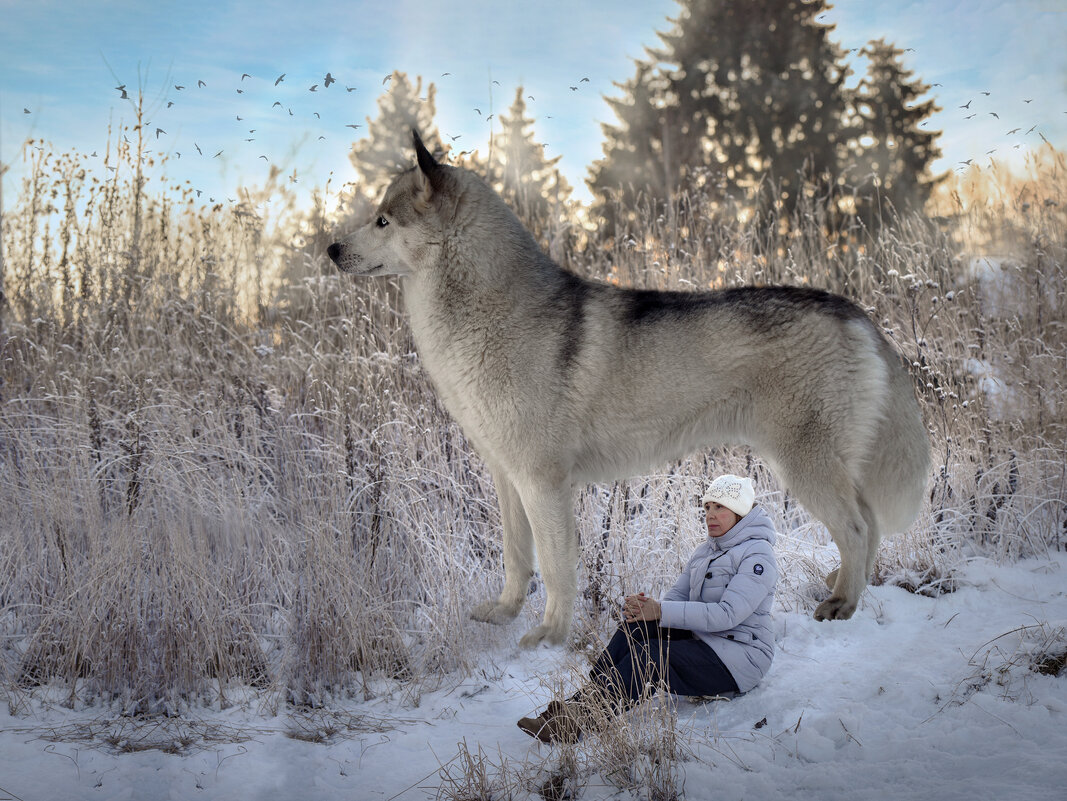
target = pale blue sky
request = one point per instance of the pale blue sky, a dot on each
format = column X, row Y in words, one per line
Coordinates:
column 62, row 60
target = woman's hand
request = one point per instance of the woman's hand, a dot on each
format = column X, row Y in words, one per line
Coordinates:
column 640, row 607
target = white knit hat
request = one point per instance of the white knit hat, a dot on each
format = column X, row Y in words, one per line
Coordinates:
column 735, row 493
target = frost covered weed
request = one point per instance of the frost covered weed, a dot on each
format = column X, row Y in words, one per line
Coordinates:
column 222, row 466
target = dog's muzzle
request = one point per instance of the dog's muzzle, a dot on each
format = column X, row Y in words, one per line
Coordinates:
column 333, row 251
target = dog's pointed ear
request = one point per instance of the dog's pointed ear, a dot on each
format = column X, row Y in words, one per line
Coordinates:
column 427, row 176
column 427, row 164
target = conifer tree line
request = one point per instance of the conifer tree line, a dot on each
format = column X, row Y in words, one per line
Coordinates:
column 744, row 104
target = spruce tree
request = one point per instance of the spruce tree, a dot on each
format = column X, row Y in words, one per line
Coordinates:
column 746, row 96
column 893, row 153
column 528, row 181
column 387, row 147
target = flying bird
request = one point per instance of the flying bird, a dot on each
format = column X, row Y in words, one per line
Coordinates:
column 967, row 104
column 25, row 111
column 328, row 80
column 994, row 114
column 350, row 88
column 584, row 80
column 124, row 95
column 179, row 88
column 217, row 155
column 170, row 103
column 159, row 131
column 385, row 80
column 200, row 84
column 353, row 127
column 1012, row 131
column 245, row 75
column 280, row 78
column 277, row 103
column 313, row 88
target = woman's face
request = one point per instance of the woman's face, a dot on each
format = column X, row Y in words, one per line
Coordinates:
column 719, row 518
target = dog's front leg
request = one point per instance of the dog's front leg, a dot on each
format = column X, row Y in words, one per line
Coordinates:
column 518, row 556
column 550, row 511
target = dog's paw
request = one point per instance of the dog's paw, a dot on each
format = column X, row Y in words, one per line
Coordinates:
column 494, row 612
column 834, row 608
column 542, row 633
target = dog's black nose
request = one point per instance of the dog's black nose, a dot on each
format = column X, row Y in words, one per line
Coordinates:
column 333, row 251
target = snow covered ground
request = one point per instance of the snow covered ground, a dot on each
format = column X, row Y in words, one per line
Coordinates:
column 914, row 698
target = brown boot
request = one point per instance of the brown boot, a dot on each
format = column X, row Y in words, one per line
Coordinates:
column 557, row 724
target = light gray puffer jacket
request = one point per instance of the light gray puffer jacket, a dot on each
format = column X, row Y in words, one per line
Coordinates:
column 724, row 597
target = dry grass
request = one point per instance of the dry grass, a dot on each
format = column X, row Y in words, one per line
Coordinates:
column 221, row 466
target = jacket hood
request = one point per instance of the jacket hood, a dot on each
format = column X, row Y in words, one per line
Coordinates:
column 755, row 525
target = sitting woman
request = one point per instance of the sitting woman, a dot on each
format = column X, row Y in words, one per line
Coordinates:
column 711, row 634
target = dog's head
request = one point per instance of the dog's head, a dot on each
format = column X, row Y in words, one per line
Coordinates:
column 406, row 231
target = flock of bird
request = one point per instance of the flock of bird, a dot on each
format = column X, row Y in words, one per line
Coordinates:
column 249, row 105
column 975, row 112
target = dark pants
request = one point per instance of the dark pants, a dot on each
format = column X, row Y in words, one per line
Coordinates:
column 641, row 652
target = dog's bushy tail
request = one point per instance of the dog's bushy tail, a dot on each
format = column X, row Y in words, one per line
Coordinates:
column 896, row 473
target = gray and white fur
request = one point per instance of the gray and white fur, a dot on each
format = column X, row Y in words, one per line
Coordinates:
column 559, row 381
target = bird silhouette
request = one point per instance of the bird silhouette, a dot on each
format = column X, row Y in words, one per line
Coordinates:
column 350, row 88
column 994, row 114
column 200, row 84
column 217, row 155
column 280, row 79
column 245, row 75
column 967, row 104
column 179, row 88
column 25, row 111
column 198, row 150
column 277, row 103
column 313, row 88
column 327, row 81
column 352, row 126
column 1012, row 131
column 159, row 131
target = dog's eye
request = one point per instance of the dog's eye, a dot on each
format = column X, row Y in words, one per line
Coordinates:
column 382, row 222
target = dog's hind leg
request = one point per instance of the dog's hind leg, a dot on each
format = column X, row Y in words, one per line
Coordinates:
column 550, row 511
column 518, row 556
column 828, row 491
